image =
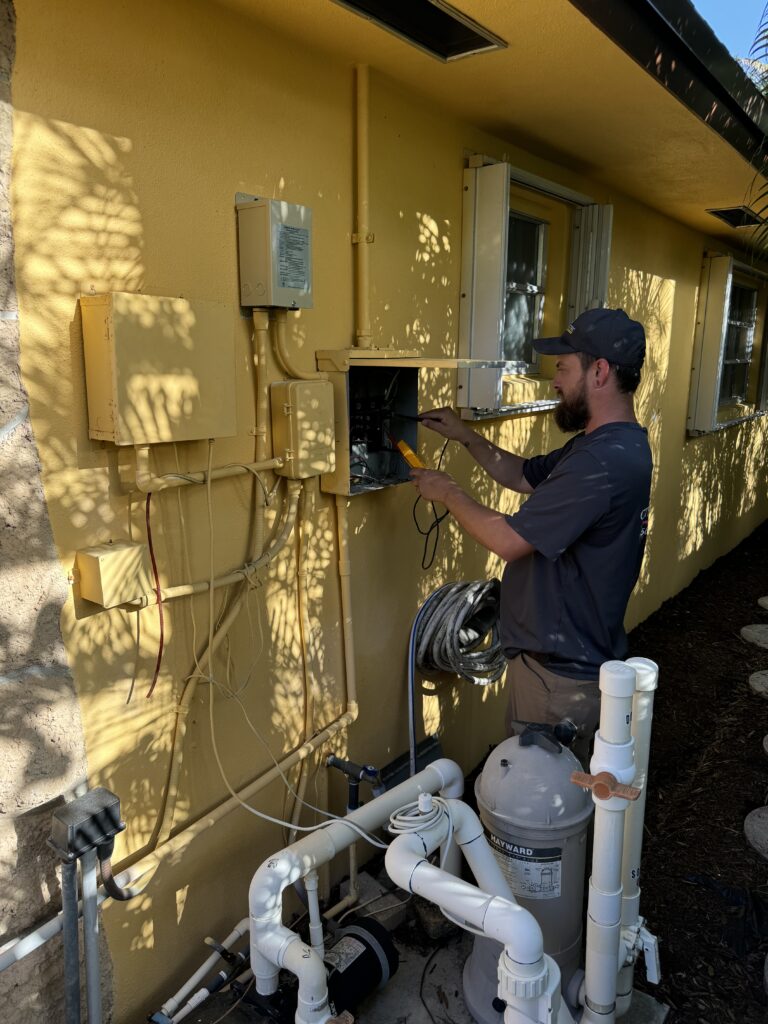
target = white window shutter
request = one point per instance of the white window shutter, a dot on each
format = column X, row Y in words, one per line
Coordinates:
column 590, row 258
column 483, row 282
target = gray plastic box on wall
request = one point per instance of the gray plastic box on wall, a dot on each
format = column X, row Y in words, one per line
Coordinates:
column 275, row 253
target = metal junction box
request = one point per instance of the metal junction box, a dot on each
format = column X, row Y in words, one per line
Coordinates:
column 111, row 574
column 158, row 369
column 302, row 427
column 275, row 249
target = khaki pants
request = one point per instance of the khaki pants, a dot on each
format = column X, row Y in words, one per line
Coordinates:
column 538, row 695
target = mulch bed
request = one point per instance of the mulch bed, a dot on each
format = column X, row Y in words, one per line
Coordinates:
column 704, row 890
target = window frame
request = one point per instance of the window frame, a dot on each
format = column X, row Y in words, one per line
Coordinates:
column 708, row 410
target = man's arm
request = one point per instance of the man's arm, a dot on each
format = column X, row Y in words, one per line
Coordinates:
column 488, row 527
column 504, row 467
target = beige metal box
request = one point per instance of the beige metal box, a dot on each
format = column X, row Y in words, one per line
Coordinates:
column 275, row 251
column 158, row 369
column 111, row 574
column 302, row 427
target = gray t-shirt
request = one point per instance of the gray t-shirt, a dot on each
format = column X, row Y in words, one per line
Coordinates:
column 587, row 520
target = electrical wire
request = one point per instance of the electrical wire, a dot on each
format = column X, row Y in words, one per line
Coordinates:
column 441, row 640
column 158, row 593
column 427, row 560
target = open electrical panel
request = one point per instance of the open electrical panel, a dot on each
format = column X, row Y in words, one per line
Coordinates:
column 375, row 406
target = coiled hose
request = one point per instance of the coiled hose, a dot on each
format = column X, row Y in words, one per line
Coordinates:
column 449, row 635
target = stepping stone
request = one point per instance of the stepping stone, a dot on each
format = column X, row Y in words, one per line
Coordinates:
column 763, row 602
column 758, row 683
column 756, row 830
column 757, row 634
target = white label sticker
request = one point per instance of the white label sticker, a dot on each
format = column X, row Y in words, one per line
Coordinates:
column 344, row 953
column 293, row 257
column 532, row 872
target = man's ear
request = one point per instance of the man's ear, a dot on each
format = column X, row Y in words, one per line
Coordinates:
column 600, row 372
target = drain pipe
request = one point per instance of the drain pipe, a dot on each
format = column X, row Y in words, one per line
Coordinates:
column 612, row 770
column 529, row 980
column 91, row 936
column 634, row 935
column 272, row 944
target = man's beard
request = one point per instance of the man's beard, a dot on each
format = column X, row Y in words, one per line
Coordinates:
column 572, row 414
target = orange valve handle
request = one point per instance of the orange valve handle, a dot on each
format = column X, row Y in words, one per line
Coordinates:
column 604, row 786
column 410, row 455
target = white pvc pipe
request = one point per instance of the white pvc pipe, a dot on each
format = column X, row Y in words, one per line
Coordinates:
column 170, row 1007
column 315, row 918
column 647, row 673
column 613, row 753
column 272, row 943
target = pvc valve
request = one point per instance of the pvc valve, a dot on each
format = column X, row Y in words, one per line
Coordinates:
column 651, row 956
column 604, row 786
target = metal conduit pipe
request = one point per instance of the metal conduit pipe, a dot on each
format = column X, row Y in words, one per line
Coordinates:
column 281, row 350
column 89, row 869
column 147, row 483
column 70, row 914
column 166, row 823
column 362, row 238
column 135, row 867
column 237, row 575
column 647, row 674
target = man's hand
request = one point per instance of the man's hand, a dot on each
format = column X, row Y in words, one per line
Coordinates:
column 446, row 423
column 433, row 484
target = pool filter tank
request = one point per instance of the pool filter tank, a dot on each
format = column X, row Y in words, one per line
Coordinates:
column 536, row 822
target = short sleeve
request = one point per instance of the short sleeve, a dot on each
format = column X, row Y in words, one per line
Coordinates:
column 538, row 468
column 571, row 499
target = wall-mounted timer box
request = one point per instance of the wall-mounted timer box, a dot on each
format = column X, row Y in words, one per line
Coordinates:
column 275, row 252
column 158, row 369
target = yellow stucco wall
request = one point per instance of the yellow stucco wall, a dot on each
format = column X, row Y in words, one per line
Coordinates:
column 135, row 126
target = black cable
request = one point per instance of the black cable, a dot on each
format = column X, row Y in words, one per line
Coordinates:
column 427, row 560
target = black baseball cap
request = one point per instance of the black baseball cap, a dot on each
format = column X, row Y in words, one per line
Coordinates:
column 603, row 333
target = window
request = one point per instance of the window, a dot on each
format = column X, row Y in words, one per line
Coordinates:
column 526, row 273
column 729, row 377
column 534, row 256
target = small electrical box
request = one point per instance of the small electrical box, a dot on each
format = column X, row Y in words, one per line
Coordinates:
column 376, row 406
column 112, row 574
column 302, row 427
column 275, row 250
column 158, row 369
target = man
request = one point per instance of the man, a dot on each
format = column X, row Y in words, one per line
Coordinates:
column 574, row 548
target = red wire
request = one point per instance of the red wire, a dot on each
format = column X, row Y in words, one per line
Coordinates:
column 161, row 617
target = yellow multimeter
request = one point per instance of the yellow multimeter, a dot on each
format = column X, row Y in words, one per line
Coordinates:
column 409, row 455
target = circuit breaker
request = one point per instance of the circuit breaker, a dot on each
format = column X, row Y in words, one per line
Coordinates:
column 376, row 406
column 302, row 427
column 275, row 251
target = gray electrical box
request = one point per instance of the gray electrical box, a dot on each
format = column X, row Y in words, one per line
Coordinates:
column 275, row 251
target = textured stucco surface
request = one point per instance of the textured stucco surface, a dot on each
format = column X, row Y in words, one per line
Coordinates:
column 41, row 744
